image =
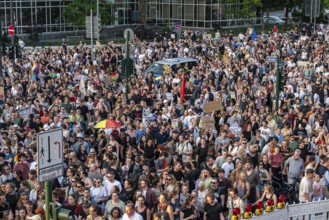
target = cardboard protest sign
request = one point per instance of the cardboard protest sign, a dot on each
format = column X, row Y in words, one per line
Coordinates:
column 226, row 60
column 174, row 123
column 92, row 67
column 213, row 106
column 262, row 89
column 98, row 44
column 302, row 63
column 208, row 122
column 2, row 92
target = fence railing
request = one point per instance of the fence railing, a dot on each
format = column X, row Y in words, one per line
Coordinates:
column 305, row 211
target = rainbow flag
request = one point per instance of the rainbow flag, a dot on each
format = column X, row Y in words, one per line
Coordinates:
column 35, row 71
column 16, row 158
column 114, row 76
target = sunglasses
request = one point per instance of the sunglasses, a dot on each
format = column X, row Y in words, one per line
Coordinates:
column 213, row 182
column 168, row 179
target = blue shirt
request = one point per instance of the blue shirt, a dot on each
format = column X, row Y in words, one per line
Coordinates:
column 76, row 146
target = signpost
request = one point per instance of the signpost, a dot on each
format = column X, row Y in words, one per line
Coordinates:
column 276, row 60
column 127, row 63
column 50, row 160
column 178, row 30
column 11, row 30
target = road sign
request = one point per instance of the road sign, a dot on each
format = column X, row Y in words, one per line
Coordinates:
column 93, row 25
column 50, row 155
column 11, row 30
column 131, row 33
column 271, row 59
column 312, row 8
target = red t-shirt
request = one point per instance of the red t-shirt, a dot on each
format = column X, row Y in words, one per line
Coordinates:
column 275, row 160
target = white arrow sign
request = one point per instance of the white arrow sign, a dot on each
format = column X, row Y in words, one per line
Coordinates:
column 50, row 155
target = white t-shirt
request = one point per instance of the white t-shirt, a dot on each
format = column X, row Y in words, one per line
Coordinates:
column 305, row 187
column 265, row 133
column 227, row 168
column 136, row 216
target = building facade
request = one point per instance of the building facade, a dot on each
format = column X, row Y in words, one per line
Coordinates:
column 48, row 15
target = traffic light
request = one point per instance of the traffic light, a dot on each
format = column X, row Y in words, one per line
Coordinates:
column 18, row 51
column 3, row 48
column 61, row 213
column 283, row 80
column 11, row 52
column 127, row 66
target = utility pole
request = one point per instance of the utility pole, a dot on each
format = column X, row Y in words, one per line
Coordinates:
column 315, row 14
column 92, row 35
column 278, row 81
column 12, row 23
column 126, row 64
column 1, row 37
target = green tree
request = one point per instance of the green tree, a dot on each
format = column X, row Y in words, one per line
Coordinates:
column 77, row 10
column 325, row 3
column 244, row 9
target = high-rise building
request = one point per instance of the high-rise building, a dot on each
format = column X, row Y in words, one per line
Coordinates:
column 48, row 15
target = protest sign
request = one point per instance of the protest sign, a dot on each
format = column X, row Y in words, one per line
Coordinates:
column 25, row 112
column 208, row 122
column 213, row 106
column 2, row 92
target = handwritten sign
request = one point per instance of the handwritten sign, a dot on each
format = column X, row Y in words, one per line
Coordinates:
column 213, row 106
column 226, row 60
column 262, row 89
column 169, row 96
column 2, row 92
column 146, row 112
column 98, row 44
column 25, row 112
column 208, row 122
column 302, row 63
column 92, row 67
column 174, row 123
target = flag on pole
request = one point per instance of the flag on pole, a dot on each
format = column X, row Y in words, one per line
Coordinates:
column 326, row 11
column 35, row 71
column 253, row 34
column 16, row 158
column 182, row 87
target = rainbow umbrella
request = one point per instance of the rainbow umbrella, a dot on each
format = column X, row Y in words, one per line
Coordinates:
column 107, row 124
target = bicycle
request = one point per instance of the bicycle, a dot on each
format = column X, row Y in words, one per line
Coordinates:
column 290, row 191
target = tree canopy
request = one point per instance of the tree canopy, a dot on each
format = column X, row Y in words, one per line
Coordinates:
column 77, row 10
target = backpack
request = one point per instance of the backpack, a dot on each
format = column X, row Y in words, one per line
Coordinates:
column 211, row 96
column 134, row 179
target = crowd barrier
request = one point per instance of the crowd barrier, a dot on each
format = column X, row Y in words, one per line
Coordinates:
column 305, row 211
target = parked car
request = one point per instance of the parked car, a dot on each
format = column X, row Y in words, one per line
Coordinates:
column 273, row 20
column 158, row 67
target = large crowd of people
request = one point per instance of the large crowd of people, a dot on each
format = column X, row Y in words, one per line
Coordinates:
column 161, row 161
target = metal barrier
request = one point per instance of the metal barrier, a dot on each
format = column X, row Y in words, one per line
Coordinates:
column 305, row 211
